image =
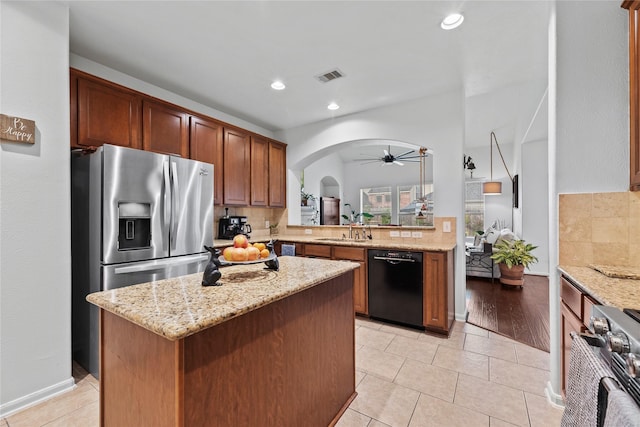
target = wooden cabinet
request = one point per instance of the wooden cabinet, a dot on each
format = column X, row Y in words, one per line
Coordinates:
column 438, row 298
column 360, row 288
column 237, row 164
column 205, row 145
column 570, row 322
column 259, row 171
column 634, row 92
column 165, row 129
column 317, row 251
column 103, row 114
column 249, row 169
column 277, row 174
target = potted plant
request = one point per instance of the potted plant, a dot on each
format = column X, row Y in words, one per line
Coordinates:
column 353, row 218
column 305, row 197
column 512, row 258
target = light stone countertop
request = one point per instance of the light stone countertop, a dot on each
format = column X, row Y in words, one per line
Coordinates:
column 370, row 244
column 621, row 293
column 179, row 307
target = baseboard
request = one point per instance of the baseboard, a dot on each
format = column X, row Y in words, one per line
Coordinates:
column 36, row 397
column 553, row 398
column 462, row 317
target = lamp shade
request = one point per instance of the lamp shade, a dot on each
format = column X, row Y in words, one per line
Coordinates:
column 492, row 188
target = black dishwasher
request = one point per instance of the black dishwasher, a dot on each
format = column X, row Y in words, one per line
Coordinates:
column 395, row 286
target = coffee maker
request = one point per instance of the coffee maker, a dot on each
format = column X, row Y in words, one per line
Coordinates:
column 230, row 226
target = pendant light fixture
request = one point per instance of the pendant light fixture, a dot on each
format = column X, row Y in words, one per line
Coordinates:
column 492, row 187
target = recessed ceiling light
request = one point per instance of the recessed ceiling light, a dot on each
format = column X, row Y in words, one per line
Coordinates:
column 333, row 106
column 452, row 21
column 277, row 85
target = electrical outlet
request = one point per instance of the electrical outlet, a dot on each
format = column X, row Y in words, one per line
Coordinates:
column 394, row 234
column 308, row 231
column 266, row 224
column 405, row 234
column 446, row 226
column 416, row 234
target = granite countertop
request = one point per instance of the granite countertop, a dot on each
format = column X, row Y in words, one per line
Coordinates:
column 179, row 307
column 370, row 244
column 621, row 293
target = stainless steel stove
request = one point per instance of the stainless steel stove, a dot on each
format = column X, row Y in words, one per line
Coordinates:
column 615, row 334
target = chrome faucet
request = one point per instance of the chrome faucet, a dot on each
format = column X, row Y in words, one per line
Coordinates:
column 350, row 231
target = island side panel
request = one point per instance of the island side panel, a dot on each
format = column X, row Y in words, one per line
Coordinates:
column 290, row 363
column 140, row 375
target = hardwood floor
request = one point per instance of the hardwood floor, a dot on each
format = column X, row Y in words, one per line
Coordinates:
column 519, row 314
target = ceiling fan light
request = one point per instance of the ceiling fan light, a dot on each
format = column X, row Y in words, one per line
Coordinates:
column 452, row 21
column 492, row 188
column 277, row 85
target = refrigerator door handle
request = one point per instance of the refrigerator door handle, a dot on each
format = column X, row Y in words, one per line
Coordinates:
column 159, row 265
column 166, row 195
column 175, row 199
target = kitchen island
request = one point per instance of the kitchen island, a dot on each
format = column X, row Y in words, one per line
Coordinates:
column 266, row 348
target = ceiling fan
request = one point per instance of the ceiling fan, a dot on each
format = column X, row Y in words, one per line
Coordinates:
column 389, row 159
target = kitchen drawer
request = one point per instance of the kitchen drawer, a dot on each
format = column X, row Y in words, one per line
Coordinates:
column 320, row 251
column 571, row 296
column 587, row 303
column 352, row 254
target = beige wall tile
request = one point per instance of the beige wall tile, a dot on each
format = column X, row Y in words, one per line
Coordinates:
column 610, row 230
column 578, row 254
column 610, row 254
column 575, row 205
column 575, row 229
column 634, row 254
column 607, row 205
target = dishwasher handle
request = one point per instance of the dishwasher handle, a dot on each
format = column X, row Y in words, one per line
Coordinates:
column 393, row 260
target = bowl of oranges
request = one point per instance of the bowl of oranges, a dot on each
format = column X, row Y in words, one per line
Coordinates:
column 244, row 252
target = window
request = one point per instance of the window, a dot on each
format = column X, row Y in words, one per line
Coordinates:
column 473, row 208
column 378, row 201
column 375, row 201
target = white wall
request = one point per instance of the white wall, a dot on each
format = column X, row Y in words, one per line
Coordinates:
column 534, row 202
column 35, row 272
column 436, row 122
column 497, row 207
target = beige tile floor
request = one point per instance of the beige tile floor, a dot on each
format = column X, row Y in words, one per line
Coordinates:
column 404, row 378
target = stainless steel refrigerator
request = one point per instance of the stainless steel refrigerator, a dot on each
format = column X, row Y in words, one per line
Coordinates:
column 136, row 217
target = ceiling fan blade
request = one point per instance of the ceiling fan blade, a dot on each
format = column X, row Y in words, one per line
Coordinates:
column 386, row 153
column 398, row 163
column 404, row 154
column 370, row 161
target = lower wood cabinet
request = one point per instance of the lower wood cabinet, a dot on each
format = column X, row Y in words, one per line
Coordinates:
column 438, row 270
column 438, row 298
column 360, row 288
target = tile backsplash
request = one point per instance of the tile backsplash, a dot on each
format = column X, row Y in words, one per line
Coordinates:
column 599, row 228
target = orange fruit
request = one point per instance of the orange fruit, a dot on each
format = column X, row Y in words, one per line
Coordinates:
column 227, row 253
column 240, row 241
column 260, row 245
column 239, row 254
column 253, row 253
column 264, row 253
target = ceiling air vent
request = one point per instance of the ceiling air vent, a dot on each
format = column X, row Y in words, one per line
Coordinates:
column 330, row 75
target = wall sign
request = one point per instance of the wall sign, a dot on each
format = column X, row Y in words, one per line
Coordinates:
column 17, row 129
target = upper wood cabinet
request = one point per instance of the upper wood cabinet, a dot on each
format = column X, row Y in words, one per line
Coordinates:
column 237, row 164
column 103, row 114
column 259, row 171
column 165, row 129
column 277, row 174
column 206, row 145
column 634, row 93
